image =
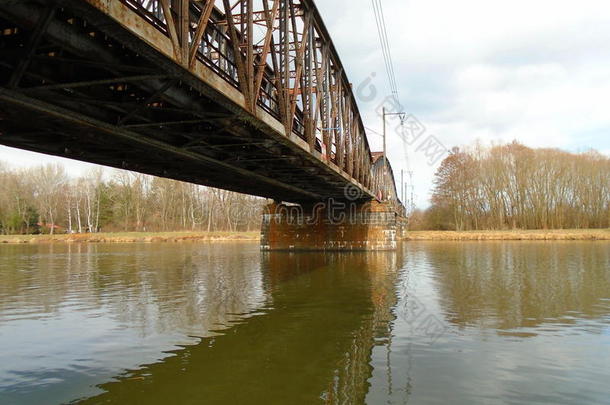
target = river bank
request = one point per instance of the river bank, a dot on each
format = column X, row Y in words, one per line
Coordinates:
column 563, row 234
column 173, row 237
column 132, row 237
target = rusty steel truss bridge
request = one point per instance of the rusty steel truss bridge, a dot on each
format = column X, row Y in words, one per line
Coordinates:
column 247, row 95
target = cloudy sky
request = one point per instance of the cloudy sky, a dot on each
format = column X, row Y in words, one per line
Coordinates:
column 537, row 71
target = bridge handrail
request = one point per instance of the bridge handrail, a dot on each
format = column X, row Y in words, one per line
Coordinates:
column 288, row 66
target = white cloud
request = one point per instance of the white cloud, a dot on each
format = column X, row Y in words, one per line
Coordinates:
column 535, row 71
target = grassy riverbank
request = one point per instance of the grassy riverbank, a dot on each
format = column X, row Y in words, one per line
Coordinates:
column 133, row 237
column 171, row 237
column 564, row 234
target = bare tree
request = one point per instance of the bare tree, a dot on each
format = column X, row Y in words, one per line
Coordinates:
column 513, row 186
column 49, row 185
column 125, row 201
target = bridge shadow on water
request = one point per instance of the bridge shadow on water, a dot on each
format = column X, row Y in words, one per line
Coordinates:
column 310, row 343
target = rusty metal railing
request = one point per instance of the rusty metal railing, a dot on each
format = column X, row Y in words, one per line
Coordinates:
column 280, row 57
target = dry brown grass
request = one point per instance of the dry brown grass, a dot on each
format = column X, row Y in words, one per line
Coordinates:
column 173, row 237
column 133, row 237
column 564, row 234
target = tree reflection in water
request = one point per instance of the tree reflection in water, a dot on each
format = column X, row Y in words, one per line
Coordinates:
column 310, row 343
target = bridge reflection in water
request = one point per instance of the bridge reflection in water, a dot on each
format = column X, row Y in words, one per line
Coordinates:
column 226, row 323
column 304, row 334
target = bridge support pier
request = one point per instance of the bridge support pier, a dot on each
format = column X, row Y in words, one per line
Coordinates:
column 332, row 226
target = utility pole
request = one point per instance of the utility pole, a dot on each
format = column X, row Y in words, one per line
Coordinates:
column 385, row 158
column 402, row 185
column 412, row 202
column 385, row 152
column 384, row 135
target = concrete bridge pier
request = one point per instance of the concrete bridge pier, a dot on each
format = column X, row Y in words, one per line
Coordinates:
column 332, row 226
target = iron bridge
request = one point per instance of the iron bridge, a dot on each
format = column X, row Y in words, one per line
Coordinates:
column 248, row 95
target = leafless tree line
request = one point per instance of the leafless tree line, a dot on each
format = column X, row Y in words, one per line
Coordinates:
column 515, row 187
column 46, row 200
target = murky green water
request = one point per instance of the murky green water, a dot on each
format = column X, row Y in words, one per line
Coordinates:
column 459, row 323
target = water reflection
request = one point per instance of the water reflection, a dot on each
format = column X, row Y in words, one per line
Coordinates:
column 312, row 346
column 154, row 289
column 301, row 326
column 522, row 323
column 515, row 285
column 74, row 315
column 224, row 323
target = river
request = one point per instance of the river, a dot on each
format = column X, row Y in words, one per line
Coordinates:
column 434, row 322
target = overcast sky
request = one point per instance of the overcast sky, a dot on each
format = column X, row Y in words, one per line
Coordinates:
column 537, row 71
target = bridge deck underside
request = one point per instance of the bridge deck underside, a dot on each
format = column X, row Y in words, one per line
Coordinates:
column 82, row 87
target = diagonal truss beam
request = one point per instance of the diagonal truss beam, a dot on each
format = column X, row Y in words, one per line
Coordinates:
column 31, row 46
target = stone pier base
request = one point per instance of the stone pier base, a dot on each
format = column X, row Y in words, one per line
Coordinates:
column 332, row 225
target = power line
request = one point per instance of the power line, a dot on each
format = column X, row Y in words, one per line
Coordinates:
column 385, row 46
column 374, row 131
column 389, row 66
column 382, row 39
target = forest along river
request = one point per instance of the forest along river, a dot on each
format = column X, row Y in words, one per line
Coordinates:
column 438, row 322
